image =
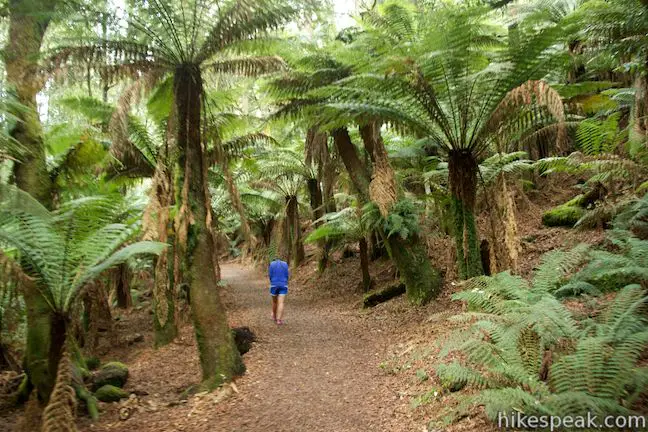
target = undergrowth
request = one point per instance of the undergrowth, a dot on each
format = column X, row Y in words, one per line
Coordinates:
column 525, row 351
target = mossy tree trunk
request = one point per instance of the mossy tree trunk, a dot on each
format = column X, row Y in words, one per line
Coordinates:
column 421, row 279
column 46, row 334
column 164, row 311
column 28, row 22
column 160, row 227
column 293, row 231
column 462, row 170
column 219, row 358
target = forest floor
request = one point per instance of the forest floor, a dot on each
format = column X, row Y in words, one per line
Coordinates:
column 319, row 372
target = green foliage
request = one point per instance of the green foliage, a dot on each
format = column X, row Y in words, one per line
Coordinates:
column 402, row 220
column 525, row 351
column 595, row 136
column 344, row 226
column 565, row 215
column 109, row 393
column 66, row 249
column 509, row 164
column 605, row 271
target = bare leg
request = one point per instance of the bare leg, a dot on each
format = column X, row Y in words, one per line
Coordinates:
column 280, row 306
column 274, row 307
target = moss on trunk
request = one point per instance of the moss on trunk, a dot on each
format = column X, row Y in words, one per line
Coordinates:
column 219, row 358
column 293, row 227
column 164, row 317
column 462, row 170
column 422, row 281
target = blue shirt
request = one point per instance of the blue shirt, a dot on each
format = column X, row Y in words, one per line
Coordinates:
column 278, row 273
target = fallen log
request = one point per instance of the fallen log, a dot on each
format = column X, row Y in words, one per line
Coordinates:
column 376, row 297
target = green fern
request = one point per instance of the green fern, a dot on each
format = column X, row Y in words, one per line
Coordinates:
column 526, row 352
column 66, row 249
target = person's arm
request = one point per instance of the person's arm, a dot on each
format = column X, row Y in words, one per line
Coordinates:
column 270, row 272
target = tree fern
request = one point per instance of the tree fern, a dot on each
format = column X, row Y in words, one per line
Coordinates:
column 66, row 249
column 526, row 352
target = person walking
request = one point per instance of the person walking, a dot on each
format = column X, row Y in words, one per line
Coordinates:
column 278, row 274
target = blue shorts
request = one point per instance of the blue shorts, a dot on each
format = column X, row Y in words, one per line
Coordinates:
column 275, row 291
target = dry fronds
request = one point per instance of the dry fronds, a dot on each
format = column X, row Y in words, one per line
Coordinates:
column 382, row 189
column 316, row 147
column 530, row 93
column 11, row 270
column 59, row 413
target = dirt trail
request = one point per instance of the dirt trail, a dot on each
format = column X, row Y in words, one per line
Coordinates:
column 319, row 372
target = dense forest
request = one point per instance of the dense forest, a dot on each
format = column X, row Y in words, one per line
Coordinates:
column 460, row 189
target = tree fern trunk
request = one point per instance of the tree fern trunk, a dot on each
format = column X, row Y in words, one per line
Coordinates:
column 294, row 231
column 219, row 358
column 235, row 198
column 641, row 107
column 97, row 316
column 164, row 309
column 122, row 289
column 40, row 324
column 26, row 32
column 357, row 171
column 462, row 168
column 422, row 280
column 158, row 226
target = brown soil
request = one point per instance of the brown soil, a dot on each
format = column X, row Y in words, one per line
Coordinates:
column 319, row 372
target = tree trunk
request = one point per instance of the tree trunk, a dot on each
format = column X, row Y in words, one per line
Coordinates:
column 462, row 169
column 27, row 26
column 46, row 333
column 235, row 198
column 315, row 195
column 422, row 281
column 122, row 287
column 358, row 172
column 297, row 253
column 219, row 358
column 364, row 265
column 504, row 242
column 641, row 107
column 164, row 310
column 96, row 314
column 317, row 207
column 26, row 31
column 375, row 147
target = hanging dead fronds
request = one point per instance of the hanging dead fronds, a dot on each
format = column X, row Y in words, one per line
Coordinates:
column 10, row 270
column 382, row 189
column 316, row 147
column 60, row 411
column 531, row 93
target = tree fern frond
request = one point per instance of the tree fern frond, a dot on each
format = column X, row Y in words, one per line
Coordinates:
column 247, row 66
